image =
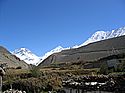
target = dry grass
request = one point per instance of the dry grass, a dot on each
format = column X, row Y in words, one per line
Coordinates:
column 17, row 71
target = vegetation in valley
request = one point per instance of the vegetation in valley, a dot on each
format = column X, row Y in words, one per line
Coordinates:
column 50, row 78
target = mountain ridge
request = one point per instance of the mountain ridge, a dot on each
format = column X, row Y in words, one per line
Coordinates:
column 91, row 52
column 103, row 35
column 97, row 36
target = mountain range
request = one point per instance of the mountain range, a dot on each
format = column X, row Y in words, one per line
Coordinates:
column 103, row 35
column 86, row 54
column 30, row 58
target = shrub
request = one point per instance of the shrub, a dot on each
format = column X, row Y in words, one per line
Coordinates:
column 35, row 72
column 104, row 69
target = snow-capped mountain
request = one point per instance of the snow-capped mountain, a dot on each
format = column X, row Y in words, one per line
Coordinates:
column 55, row 50
column 30, row 58
column 26, row 55
column 102, row 35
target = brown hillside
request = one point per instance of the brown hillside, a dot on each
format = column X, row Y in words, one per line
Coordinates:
column 90, row 52
column 11, row 60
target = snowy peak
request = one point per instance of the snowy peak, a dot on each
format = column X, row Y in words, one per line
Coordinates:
column 117, row 32
column 99, row 35
column 102, row 35
column 55, row 50
column 22, row 51
column 26, row 55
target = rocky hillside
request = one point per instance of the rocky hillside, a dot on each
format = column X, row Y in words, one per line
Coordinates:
column 11, row 60
column 90, row 52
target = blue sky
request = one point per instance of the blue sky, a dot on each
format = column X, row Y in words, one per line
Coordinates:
column 41, row 25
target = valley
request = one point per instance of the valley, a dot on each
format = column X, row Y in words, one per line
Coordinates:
column 58, row 80
column 95, row 67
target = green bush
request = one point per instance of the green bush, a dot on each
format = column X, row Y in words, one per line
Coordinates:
column 35, row 72
column 104, row 69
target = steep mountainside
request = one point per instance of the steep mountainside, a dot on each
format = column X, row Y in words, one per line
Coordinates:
column 89, row 52
column 11, row 60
